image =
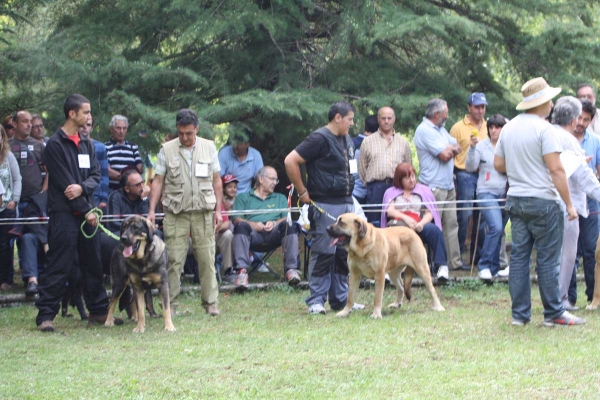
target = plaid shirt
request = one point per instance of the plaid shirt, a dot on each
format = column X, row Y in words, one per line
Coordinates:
column 379, row 157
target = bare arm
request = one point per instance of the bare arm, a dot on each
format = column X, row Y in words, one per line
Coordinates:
column 292, row 168
column 559, row 178
column 218, row 188
column 155, row 193
column 449, row 152
column 500, row 164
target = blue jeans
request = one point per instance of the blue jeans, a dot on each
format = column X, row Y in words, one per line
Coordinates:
column 466, row 185
column 30, row 248
column 375, row 192
column 495, row 222
column 536, row 222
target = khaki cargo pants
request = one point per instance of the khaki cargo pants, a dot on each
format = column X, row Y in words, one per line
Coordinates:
column 177, row 229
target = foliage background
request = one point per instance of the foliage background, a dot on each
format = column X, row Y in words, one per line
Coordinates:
column 276, row 66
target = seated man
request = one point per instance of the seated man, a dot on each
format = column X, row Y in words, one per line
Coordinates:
column 264, row 231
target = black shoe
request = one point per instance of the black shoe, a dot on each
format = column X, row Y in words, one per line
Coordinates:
column 46, row 326
column 32, row 289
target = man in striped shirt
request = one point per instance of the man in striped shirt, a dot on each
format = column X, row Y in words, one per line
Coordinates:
column 121, row 153
column 380, row 154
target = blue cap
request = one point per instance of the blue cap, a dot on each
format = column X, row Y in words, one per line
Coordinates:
column 477, row 99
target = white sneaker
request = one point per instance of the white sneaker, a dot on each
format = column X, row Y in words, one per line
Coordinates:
column 263, row 269
column 316, row 309
column 358, row 306
column 442, row 273
column 503, row 273
column 485, row 275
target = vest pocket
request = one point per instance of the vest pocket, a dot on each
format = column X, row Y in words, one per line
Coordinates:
column 173, row 199
column 174, row 172
column 208, row 192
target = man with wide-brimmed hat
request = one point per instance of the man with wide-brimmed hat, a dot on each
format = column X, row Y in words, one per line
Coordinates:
column 528, row 152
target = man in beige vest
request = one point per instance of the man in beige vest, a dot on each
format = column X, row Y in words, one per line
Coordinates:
column 187, row 176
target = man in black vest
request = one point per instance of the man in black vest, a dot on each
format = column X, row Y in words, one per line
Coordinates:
column 328, row 154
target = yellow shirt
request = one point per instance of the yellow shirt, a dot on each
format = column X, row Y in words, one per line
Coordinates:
column 462, row 131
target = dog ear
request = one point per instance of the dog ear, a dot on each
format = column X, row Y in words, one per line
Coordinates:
column 362, row 227
column 150, row 231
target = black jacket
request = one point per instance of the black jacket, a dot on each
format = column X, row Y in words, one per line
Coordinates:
column 61, row 160
column 119, row 204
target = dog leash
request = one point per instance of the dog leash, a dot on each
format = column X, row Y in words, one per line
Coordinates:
column 99, row 215
column 319, row 209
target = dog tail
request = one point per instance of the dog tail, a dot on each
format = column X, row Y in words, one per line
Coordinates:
column 408, row 277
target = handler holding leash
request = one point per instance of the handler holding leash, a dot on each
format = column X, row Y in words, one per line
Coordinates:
column 187, row 170
column 74, row 174
column 329, row 156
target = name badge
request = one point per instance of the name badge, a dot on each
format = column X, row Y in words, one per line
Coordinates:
column 201, row 170
column 23, row 154
column 84, row 160
column 353, row 166
column 30, row 147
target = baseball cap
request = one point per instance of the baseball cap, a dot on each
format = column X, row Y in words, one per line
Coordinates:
column 228, row 179
column 477, row 99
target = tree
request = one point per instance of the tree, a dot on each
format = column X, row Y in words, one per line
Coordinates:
column 276, row 66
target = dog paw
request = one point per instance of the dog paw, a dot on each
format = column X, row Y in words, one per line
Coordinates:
column 344, row 313
column 170, row 328
column 439, row 308
column 376, row 315
column 395, row 305
column 591, row 307
column 139, row 329
column 109, row 322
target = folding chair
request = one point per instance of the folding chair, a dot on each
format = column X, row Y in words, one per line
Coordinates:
column 261, row 254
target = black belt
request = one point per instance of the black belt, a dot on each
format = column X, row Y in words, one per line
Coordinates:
column 388, row 181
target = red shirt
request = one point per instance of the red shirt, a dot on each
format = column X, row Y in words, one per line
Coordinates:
column 75, row 138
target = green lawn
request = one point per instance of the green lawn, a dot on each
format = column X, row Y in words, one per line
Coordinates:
column 265, row 345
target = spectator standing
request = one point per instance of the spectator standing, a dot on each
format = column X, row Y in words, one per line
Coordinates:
column 587, row 92
column 187, row 171
column 9, row 126
column 380, row 154
column 327, row 153
column 528, row 153
column 240, row 160
column 101, row 192
column 491, row 188
column 473, row 124
column 74, row 175
column 588, row 226
column 371, row 126
column 37, row 129
column 581, row 180
column 436, row 150
column 10, row 178
column 121, row 153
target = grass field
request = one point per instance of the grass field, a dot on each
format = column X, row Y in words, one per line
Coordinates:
column 265, row 345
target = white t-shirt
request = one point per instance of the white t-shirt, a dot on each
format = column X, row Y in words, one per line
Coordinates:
column 523, row 143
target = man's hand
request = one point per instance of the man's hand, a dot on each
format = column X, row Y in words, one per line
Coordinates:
column 145, row 191
column 102, row 205
column 269, row 226
column 257, row 226
column 11, row 205
column 305, row 199
column 218, row 220
column 92, row 219
column 151, row 217
column 73, row 191
column 572, row 213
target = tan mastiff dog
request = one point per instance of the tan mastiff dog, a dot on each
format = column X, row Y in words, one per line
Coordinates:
column 373, row 252
column 596, row 299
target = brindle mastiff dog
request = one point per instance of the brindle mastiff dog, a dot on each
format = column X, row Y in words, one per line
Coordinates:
column 373, row 252
column 140, row 260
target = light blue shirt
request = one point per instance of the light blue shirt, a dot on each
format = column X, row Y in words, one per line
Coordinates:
column 430, row 141
column 360, row 190
column 591, row 145
column 243, row 171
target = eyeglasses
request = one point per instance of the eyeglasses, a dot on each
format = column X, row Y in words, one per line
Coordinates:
column 137, row 184
column 272, row 179
column 37, row 126
column 10, row 126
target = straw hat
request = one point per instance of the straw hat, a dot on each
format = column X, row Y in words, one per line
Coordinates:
column 535, row 93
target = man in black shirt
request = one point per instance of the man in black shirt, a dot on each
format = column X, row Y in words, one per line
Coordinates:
column 328, row 154
column 74, row 174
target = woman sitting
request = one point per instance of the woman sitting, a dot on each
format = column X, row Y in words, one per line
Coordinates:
column 403, row 206
column 491, row 187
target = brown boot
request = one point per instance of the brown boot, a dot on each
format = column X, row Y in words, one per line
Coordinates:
column 212, row 309
column 46, row 326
